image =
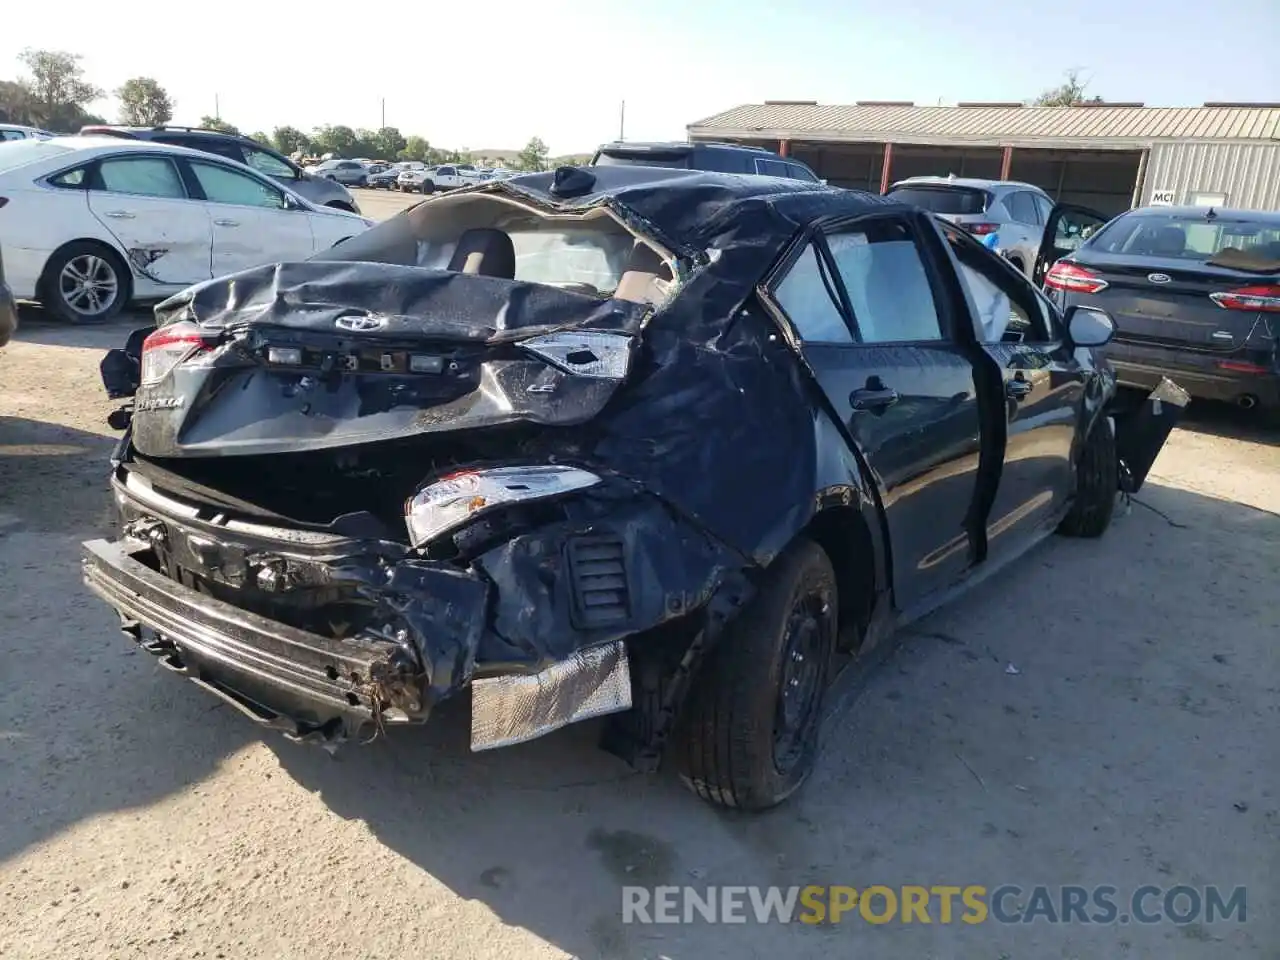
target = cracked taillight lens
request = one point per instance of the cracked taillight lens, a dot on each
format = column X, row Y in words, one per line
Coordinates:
column 167, row 347
column 587, row 354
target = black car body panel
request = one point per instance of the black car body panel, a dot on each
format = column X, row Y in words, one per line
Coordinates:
column 728, row 438
column 1168, row 323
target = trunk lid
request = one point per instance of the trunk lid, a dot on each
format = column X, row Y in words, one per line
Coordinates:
column 1167, row 302
column 308, row 356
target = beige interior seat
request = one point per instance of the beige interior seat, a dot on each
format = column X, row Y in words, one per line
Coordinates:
column 646, row 278
column 485, row 251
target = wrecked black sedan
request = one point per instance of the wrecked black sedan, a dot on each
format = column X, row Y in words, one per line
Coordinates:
column 663, row 445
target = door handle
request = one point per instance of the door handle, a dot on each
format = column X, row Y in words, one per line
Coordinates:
column 873, row 398
column 1016, row 389
column 119, row 214
column 227, row 223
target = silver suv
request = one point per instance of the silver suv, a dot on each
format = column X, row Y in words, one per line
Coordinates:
column 1007, row 216
column 352, row 173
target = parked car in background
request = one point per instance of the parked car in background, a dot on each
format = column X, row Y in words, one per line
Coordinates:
column 1195, row 294
column 387, row 179
column 14, row 131
column 449, row 176
column 719, row 157
column 1007, row 216
column 443, row 456
column 8, row 307
column 351, row 173
column 91, row 223
column 321, row 191
column 410, row 179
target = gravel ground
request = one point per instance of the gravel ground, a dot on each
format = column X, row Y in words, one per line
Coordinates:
column 1136, row 744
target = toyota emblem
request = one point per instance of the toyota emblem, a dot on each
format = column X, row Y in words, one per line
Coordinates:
column 1159, row 277
column 360, row 323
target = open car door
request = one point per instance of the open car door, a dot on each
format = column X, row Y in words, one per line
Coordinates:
column 1068, row 226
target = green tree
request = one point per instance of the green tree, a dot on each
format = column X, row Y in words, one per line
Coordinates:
column 144, row 103
column 217, row 123
column 415, row 148
column 388, row 143
column 59, row 92
column 533, row 156
column 290, row 140
column 339, row 140
column 17, row 102
column 262, row 137
column 1066, row 94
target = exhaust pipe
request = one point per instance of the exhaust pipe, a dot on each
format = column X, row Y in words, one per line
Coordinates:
column 1246, row 401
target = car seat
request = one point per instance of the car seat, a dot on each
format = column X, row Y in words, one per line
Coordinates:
column 486, row 252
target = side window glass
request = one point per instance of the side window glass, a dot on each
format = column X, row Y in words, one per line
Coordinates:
column 266, row 163
column 887, row 282
column 1044, row 205
column 72, row 179
column 804, row 297
column 142, row 176
column 1021, row 207
column 1009, row 310
column 222, row 185
column 446, row 172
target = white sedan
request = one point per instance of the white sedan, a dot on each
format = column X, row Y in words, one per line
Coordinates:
column 89, row 224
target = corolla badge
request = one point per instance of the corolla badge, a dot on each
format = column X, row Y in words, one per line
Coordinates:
column 360, row 323
column 1159, row 277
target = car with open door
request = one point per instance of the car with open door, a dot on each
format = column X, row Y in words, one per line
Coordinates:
column 1012, row 218
column 665, row 446
column 1195, row 294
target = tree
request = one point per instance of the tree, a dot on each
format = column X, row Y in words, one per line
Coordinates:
column 339, row 140
column 16, row 102
column 217, row 123
column 533, row 156
column 144, row 103
column 415, row 148
column 289, row 140
column 59, row 92
column 1067, row 93
column 262, row 137
column 388, row 143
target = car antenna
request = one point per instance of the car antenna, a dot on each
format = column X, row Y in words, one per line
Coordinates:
column 1211, row 214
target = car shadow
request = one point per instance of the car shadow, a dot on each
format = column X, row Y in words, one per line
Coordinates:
column 968, row 745
column 1230, row 422
column 35, row 325
column 88, row 724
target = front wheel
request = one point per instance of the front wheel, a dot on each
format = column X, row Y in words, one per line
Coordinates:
column 748, row 737
column 1097, row 483
column 428, row 186
column 85, row 283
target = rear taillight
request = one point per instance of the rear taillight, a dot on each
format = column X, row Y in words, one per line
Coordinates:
column 981, row 229
column 1242, row 366
column 1073, row 279
column 167, row 347
column 1264, row 297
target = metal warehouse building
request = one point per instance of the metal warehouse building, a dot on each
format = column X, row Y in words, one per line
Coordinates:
column 1108, row 156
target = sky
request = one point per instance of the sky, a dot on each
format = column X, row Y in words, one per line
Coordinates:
column 560, row 69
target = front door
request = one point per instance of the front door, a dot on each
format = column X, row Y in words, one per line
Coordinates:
column 142, row 201
column 252, row 224
column 872, row 330
column 1043, row 388
column 1067, row 227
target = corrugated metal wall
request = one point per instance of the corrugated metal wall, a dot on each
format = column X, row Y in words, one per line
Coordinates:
column 1248, row 173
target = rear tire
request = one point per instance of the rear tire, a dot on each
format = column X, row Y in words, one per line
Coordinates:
column 84, row 283
column 748, row 736
column 1097, row 484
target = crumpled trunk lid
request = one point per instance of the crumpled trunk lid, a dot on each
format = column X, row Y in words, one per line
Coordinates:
column 318, row 355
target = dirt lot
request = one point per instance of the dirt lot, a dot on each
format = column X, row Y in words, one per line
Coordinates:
column 1136, row 745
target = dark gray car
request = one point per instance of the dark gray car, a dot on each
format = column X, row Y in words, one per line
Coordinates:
column 319, row 190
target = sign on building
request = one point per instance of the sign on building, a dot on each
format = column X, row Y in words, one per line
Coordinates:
column 1163, row 198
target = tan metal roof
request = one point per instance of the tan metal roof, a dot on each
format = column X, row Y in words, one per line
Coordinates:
column 996, row 125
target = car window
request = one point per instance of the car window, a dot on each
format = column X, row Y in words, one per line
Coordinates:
column 72, row 179
column 1008, row 307
column 142, row 176
column 1044, row 205
column 772, row 168
column 887, row 282
column 12, row 135
column 800, row 172
column 941, row 199
column 809, row 303
column 446, row 172
column 1022, row 207
column 215, row 145
column 223, row 185
column 1074, row 227
column 264, row 162
column 1156, row 235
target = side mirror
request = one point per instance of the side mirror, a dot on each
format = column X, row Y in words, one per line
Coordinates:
column 1089, row 326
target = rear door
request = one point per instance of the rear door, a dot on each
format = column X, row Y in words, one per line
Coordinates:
column 144, row 203
column 251, row 223
column 1043, row 388
column 1066, row 229
column 876, row 331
